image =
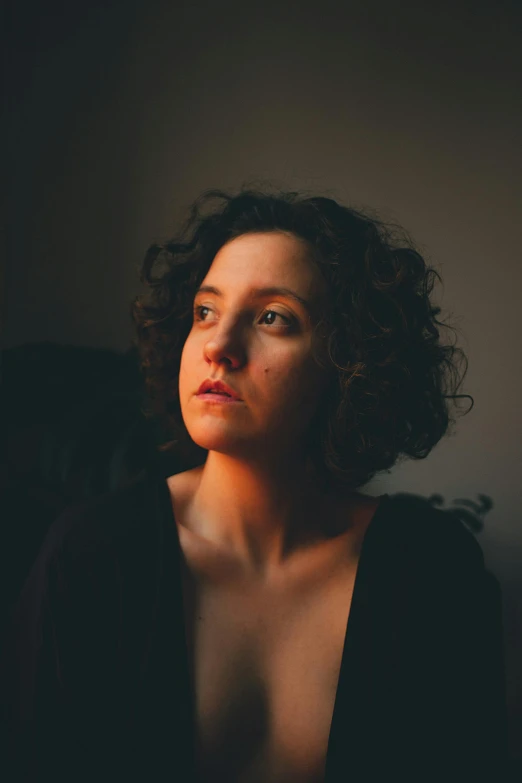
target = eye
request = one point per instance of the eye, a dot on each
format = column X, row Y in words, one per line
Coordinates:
column 199, row 308
column 279, row 315
column 197, row 312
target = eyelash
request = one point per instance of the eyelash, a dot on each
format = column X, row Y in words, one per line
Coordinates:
column 197, row 308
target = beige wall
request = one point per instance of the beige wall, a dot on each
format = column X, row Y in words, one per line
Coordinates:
column 126, row 116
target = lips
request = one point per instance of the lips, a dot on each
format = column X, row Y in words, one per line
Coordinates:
column 217, row 387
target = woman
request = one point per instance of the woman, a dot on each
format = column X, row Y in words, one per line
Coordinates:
column 256, row 617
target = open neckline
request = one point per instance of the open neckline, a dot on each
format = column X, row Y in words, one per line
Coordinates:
column 360, row 573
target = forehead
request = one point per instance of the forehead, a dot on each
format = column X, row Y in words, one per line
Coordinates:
column 268, row 258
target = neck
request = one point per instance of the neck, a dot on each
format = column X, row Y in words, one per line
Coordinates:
column 259, row 513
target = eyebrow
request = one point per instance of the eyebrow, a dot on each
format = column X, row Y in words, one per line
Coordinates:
column 262, row 293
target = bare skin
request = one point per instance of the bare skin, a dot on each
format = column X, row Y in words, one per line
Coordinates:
column 256, row 489
column 269, row 557
column 265, row 656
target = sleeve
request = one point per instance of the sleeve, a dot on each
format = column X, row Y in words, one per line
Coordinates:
column 34, row 702
column 71, row 675
column 58, row 637
column 471, row 729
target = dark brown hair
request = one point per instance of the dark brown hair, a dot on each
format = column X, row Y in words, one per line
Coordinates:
column 392, row 377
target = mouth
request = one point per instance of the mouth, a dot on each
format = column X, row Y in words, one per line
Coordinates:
column 218, row 388
column 217, row 398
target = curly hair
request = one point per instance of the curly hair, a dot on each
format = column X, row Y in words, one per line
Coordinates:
column 391, row 374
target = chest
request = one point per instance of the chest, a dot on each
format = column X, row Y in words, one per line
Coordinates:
column 265, row 667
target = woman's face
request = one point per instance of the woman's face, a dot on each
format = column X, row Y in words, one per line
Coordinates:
column 260, row 344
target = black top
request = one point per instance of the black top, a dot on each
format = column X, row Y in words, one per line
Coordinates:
column 95, row 675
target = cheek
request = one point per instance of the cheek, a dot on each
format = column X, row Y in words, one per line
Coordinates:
column 186, row 378
column 295, row 383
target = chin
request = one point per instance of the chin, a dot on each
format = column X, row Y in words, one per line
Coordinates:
column 215, row 436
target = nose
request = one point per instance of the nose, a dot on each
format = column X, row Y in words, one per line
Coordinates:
column 225, row 344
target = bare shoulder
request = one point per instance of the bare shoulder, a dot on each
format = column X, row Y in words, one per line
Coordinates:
column 346, row 515
column 182, row 485
column 201, row 556
column 345, row 510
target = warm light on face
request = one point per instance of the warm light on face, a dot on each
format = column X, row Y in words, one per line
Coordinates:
column 252, row 328
column 263, row 293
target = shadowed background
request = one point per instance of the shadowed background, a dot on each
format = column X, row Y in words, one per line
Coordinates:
column 119, row 114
